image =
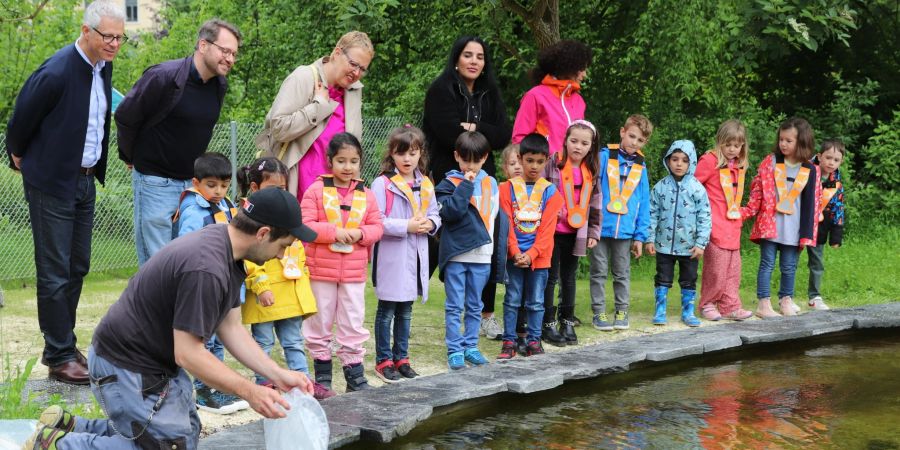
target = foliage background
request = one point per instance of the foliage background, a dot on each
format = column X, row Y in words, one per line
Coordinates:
column 687, row 64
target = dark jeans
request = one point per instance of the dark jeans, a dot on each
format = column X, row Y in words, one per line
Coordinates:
column 61, row 229
column 400, row 313
column 665, row 271
column 563, row 267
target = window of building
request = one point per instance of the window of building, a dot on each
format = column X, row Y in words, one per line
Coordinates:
column 131, row 10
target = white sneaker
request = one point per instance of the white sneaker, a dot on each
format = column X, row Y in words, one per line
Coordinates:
column 818, row 304
column 490, row 328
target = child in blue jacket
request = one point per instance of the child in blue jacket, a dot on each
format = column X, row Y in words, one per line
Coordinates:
column 680, row 223
column 470, row 215
column 626, row 220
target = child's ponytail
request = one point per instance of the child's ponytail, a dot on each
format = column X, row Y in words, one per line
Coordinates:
column 258, row 171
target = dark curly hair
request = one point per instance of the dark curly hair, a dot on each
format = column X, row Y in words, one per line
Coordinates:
column 563, row 60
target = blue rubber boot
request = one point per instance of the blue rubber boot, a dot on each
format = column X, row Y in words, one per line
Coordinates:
column 687, row 308
column 659, row 317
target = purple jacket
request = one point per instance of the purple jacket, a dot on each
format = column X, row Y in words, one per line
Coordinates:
column 394, row 265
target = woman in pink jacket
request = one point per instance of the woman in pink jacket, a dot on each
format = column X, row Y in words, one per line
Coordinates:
column 347, row 220
column 554, row 102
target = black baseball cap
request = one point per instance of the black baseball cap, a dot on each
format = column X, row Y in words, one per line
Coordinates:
column 278, row 208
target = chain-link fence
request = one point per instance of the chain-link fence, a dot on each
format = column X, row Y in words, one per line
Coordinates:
column 113, row 237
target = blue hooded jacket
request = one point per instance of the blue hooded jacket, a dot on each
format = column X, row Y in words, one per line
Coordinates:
column 634, row 223
column 680, row 217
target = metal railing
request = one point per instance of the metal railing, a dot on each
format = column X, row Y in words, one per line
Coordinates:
column 113, row 237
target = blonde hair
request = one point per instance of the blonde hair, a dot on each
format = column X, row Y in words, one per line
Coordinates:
column 731, row 130
column 511, row 149
column 356, row 39
column 642, row 123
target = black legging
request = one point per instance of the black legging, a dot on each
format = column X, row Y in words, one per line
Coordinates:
column 563, row 266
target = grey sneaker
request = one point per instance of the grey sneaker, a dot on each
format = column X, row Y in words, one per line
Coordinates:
column 818, row 304
column 621, row 322
column 491, row 329
column 217, row 402
column 602, row 323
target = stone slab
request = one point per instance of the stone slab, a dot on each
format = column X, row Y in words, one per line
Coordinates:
column 44, row 389
column 873, row 316
column 525, row 379
column 465, row 383
column 377, row 420
column 712, row 338
column 422, row 394
column 252, row 436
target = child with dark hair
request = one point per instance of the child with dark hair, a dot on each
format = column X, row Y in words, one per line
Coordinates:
column 532, row 205
column 831, row 217
column 278, row 292
column 784, row 198
column 204, row 204
column 554, row 102
column 470, row 212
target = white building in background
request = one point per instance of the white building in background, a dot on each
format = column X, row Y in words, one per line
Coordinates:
column 141, row 15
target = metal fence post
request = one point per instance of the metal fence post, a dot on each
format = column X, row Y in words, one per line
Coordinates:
column 234, row 181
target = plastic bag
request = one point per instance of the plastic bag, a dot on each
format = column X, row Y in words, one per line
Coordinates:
column 304, row 427
column 14, row 433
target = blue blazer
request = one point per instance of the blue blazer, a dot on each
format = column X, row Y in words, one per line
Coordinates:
column 49, row 123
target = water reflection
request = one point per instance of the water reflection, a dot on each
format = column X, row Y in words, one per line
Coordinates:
column 836, row 396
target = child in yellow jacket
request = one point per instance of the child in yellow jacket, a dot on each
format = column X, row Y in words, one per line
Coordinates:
column 278, row 292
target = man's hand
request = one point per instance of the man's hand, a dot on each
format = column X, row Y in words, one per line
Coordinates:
column 288, row 379
column 266, row 298
column 264, row 400
column 636, row 249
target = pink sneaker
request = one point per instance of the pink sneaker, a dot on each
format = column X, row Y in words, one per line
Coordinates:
column 710, row 312
column 738, row 314
column 320, row 392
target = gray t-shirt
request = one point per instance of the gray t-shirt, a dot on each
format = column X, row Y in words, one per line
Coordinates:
column 788, row 225
column 190, row 285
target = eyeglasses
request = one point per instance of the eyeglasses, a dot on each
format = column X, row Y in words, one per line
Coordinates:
column 226, row 52
column 109, row 38
column 355, row 66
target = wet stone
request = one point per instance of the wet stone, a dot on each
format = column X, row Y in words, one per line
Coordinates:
column 377, row 420
column 342, row 435
column 522, row 380
column 464, row 383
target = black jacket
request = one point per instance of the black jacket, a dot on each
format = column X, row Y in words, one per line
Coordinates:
column 49, row 123
column 447, row 104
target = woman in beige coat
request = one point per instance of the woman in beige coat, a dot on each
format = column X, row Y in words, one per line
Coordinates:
column 316, row 102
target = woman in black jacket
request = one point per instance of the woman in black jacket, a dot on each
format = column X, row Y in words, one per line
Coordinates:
column 464, row 97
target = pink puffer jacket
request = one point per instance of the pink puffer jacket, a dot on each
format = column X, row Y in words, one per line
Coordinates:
column 324, row 264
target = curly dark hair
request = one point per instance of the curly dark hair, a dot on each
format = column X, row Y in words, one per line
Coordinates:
column 563, row 60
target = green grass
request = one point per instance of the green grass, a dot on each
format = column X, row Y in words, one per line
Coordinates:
column 861, row 272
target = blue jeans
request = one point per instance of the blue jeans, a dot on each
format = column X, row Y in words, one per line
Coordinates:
column 463, row 283
column 400, row 313
column 155, row 201
column 291, row 339
column 787, row 265
column 524, row 285
column 61, row 229
column 214, row 345
column 127, row 397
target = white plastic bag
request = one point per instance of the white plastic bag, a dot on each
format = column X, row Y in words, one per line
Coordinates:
column 305, row 426
column 14, row 433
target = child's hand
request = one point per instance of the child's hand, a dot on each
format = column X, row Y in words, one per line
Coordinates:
column 427, row 225
column 342, row 235
column 835, row 245
column 591, row 243
column 414, row 224
column 650, row 248
column 696, row 253
column 266, row 298
column 355, row 235
column 471, row 175
column 636, row 249
column 523, row 260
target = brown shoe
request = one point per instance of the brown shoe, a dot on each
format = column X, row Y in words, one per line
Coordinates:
column 78, row 357
column 71, row 372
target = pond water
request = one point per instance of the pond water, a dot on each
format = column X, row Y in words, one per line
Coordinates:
column 843, row 394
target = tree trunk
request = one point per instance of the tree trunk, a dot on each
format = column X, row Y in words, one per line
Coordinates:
column 542, row 19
